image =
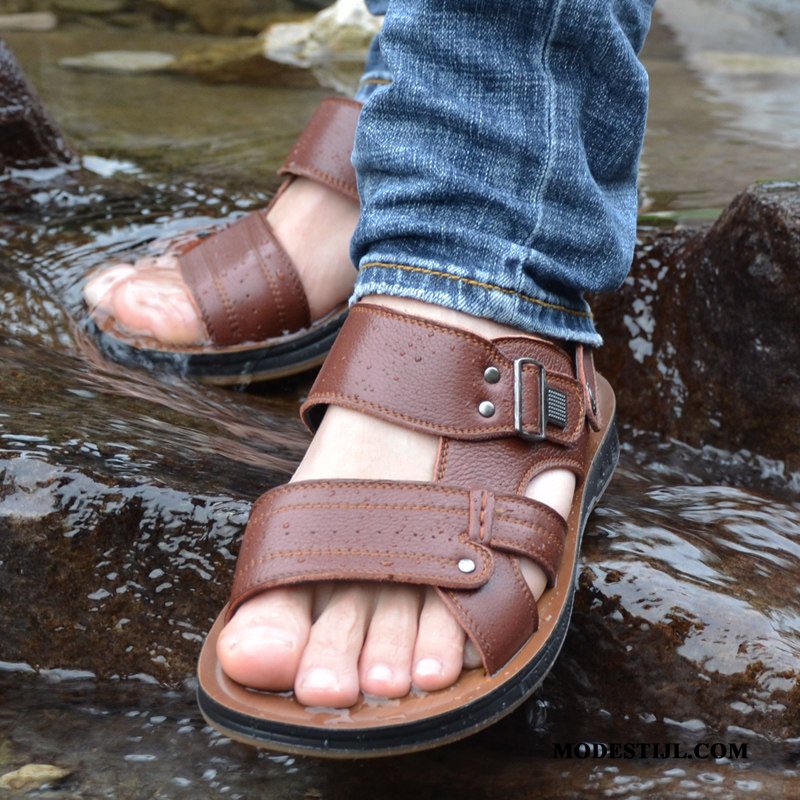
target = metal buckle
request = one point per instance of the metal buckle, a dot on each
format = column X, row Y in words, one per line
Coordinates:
column 540, row 435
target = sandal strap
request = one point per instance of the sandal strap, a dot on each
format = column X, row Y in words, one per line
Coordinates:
column 322, row 152
column 452, row 538
column 244, row 283
column 445, row 381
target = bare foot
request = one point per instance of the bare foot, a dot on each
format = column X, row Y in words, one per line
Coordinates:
column 331, row 642
column 313, row 223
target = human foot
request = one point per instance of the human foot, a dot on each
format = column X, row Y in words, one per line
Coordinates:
column 313, row 223
column 331, row 642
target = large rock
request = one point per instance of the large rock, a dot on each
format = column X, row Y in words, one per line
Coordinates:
column 703, row 340
column 342, row 32
column 333, row 44
column 28, row 136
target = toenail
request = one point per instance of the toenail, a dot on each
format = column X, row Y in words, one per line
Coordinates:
column 381, row 673
column 429, row 666
column 259, row 636
column 320, row 678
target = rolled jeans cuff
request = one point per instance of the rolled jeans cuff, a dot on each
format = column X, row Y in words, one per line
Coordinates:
column 458, row 288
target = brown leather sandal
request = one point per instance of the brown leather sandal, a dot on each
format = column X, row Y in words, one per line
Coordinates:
column 245, row 285
column 505, row 410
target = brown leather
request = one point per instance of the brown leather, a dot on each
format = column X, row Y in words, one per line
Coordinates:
column 406, row 532
column 432, row 378
column 584, row 368
column 245, row 285
column 322, row 152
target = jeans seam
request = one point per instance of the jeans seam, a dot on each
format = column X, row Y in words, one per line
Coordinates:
column 379, row 81
column 549, row 159
column 480, row 284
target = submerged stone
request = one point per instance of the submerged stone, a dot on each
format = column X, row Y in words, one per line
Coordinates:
column 122, row 61
column 32, row 776
column 33, row 21
column 242, row 61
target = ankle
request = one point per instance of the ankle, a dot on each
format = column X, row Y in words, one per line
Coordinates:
column 314, row 225
column 487, row 328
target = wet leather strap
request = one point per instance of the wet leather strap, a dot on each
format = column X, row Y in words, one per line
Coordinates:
column 323, row 150
column 242, row 280
column 417, row 533
column 434, row 379
column 245, row 284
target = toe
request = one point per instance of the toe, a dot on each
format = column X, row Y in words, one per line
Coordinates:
column 439, row 651
column 97, row 291
column 385, row 667
column 554, row 488
column 262, row 645
column 157, row 303
column 328, row 673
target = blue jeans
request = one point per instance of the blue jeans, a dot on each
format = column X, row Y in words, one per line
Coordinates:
column 497, row 156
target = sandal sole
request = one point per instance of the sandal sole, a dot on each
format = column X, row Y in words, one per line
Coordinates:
column 232, row 366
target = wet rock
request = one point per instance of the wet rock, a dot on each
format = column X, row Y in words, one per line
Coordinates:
column 91, row 6
column 678, row 628
column 242, row 61
column 28, row 137
column 333, row 44
column 342, row 32
column 43, row 21
column 32, row 776
column 703, row 339
column 120, row 61
column 230, row 17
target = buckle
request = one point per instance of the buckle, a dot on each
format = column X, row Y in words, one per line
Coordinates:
column 530, row 436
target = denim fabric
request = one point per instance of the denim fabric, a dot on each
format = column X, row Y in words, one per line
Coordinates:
column 376, row 70
column 497, row 162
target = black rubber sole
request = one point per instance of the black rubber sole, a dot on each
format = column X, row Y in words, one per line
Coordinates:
column 232, row 367
column 444, row 728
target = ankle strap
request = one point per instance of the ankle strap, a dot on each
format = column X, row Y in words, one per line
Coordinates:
column 446, row 381
column 323, row 150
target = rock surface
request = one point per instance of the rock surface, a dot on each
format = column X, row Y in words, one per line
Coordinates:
column 342, row 32
column 702, row 341
column 242, row 61
column 226, row 17
column 28, row 137
column 121, row 61
column 44, row 21
column 32, row 776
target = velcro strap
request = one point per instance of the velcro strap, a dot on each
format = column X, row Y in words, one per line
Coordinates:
column 416, row 533
column 323, row 150
column 447, row 381
column 244, row 283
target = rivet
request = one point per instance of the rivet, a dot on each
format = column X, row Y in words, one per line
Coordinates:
column 486, row 409
column 466, row 565
column 491, row 375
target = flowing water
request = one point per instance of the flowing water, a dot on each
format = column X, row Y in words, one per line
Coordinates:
column 122, row 494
